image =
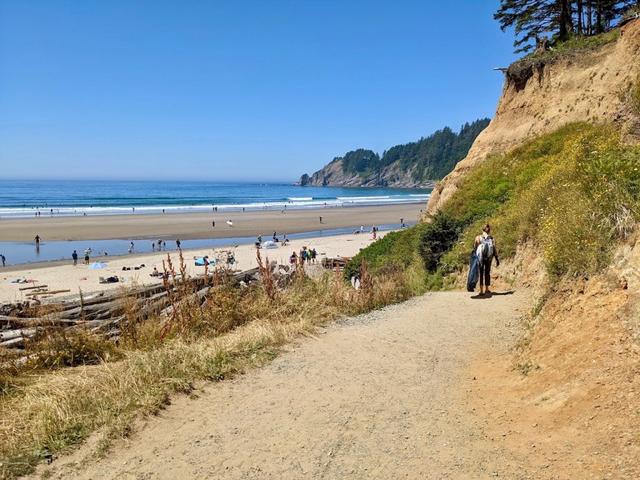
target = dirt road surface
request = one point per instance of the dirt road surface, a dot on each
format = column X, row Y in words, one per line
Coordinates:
column 383, row 395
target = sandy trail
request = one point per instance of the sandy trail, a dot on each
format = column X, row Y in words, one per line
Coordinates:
column 377, row 396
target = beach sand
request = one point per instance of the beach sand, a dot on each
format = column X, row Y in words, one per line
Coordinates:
column 198, row 225
column 80, row 278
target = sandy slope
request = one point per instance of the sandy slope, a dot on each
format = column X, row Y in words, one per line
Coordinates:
column 383, row 396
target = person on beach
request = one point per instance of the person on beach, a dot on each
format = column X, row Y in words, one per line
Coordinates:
column 131, row 247
column 74, row 255
column 486, row 251
column 86, row 257
column 293, row 259
column 213, row 224
column 314, row 254
column 37, row 239
column 320, row 219
column 3, row 259
column 153, row 246
column 178, row 244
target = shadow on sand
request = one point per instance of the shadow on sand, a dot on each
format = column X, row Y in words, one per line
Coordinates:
column 484, row 296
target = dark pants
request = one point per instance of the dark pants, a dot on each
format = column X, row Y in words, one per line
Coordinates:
column 485, row 272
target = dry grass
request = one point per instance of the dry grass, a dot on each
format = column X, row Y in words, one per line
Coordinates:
column 233, row 329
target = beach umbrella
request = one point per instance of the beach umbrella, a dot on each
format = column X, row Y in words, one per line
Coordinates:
column 97, row 266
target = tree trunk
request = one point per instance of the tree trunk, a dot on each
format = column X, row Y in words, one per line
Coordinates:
column 563, row 20
column 579, row 16
column 599, row 26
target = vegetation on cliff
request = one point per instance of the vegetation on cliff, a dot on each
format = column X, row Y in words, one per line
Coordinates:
column 430, row 158
column 540, row 23
column 574, row 193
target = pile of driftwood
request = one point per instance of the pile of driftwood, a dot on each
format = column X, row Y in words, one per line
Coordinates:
column 103, row 312
column 337, row 262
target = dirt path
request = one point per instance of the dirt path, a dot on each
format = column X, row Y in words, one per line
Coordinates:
column 378, row 396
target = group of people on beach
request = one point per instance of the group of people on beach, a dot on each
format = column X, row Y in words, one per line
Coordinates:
column 306, row 255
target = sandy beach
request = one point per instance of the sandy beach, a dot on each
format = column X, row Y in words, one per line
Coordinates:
column 81, row 278
column 199, row 225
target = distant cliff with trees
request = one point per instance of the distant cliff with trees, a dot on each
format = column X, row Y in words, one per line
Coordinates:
column 410, row 165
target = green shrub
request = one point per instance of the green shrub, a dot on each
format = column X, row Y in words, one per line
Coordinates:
column 437, row 238
column 394, row 250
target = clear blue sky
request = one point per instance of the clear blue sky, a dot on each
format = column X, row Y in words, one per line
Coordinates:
column 227, row 90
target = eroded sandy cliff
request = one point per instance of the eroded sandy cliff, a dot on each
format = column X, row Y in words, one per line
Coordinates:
column 589, row 86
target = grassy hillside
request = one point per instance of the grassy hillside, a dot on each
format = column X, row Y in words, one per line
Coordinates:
column 575, row 193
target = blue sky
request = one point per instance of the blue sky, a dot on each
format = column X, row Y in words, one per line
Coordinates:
column 229, row 90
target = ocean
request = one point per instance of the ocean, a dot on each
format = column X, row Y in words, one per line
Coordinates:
column 24, row 198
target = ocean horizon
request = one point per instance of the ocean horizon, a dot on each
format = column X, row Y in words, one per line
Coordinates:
column 26, row 198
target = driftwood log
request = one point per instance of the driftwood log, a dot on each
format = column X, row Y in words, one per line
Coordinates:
column 104, row 312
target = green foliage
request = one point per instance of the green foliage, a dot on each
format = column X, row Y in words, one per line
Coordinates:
column 429, row 158
column 435, row 156
column 437, row 238
column 396, row 250
column 360, row 161
column 559, row 21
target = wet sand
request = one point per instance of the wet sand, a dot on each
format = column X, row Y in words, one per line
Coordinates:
column 198, row 225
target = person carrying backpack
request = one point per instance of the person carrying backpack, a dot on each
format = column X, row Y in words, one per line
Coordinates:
column 486, row 251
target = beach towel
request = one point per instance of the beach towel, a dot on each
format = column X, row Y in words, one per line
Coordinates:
column 472, row 278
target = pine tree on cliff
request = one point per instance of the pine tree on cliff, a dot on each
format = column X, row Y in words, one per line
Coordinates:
column 535, row 20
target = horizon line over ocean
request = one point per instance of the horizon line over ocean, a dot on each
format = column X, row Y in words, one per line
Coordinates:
column 27, row 198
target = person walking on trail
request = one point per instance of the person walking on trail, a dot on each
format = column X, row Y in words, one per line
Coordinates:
column 486, row 251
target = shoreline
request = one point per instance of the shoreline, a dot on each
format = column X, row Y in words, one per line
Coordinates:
column 190, row 226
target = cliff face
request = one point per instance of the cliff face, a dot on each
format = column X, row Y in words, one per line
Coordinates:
column 591, row 86
column 333, row 175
